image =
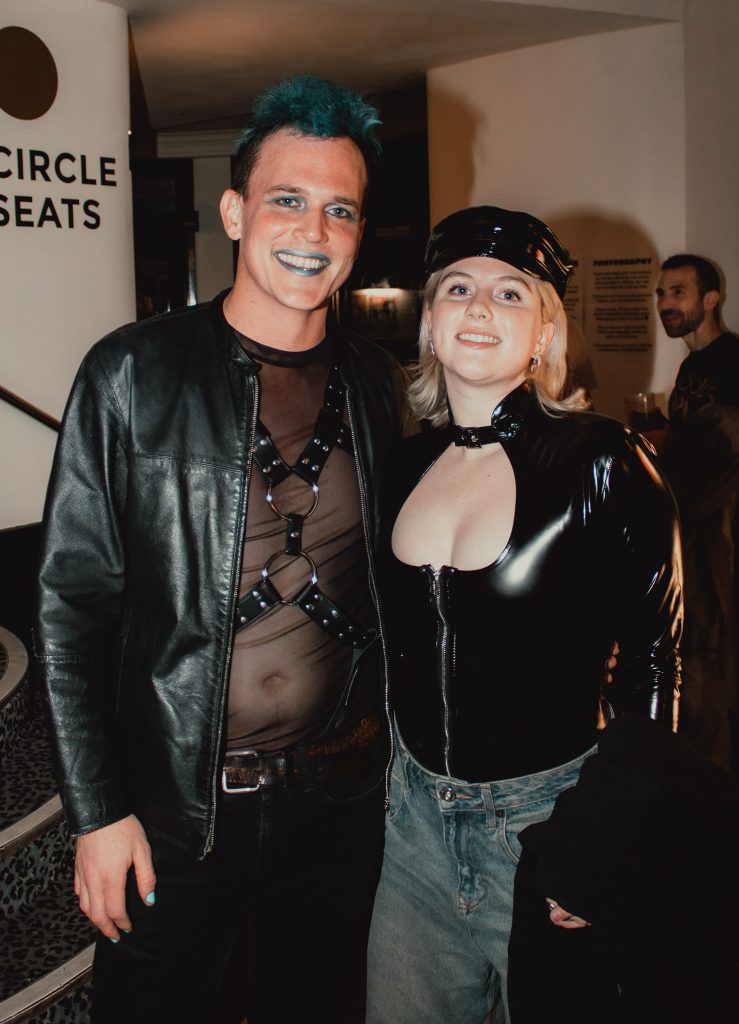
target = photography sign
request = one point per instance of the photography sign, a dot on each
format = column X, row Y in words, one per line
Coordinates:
column 622, row 304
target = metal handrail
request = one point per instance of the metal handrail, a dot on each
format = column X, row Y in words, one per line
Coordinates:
column 30, row 410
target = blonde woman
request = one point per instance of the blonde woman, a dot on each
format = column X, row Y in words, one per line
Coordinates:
column 529, row 536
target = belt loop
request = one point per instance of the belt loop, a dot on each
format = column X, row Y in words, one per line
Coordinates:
column 305, row 767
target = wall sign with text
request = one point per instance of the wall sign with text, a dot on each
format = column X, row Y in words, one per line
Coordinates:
column 18, row 166
column 620, row 304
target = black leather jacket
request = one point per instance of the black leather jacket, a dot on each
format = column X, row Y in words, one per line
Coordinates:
column 495, row 673
column 141, row 549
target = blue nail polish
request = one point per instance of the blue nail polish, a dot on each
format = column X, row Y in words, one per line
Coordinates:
column 151, row 899
column 114, row 941
column 126, row 931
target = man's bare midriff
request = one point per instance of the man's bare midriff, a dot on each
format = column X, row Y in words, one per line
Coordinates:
column 287, row 673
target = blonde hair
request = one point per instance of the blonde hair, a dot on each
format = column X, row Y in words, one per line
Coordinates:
column 427, row 393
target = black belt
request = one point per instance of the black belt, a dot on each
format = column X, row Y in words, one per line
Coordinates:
column 330, row 759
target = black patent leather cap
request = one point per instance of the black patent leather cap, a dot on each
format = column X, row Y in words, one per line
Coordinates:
column 514, row 237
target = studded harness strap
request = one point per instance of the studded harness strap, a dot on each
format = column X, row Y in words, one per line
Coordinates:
column 330, row 431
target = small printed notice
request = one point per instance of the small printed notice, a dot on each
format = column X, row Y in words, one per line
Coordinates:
column 620, row 306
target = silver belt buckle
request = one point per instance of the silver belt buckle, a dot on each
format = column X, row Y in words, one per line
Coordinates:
column 238, row 789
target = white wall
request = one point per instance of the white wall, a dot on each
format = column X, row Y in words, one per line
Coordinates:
column 712, row 117
column 588, row 134
column 62, row 287
column 213, row 248
column 210, row 152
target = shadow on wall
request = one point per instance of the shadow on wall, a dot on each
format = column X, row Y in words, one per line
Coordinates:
column 453, row 161
column 611, row 300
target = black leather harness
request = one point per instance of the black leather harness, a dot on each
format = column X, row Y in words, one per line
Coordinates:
column 330, row 431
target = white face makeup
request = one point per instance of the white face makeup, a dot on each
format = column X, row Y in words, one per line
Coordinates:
column 300, row 222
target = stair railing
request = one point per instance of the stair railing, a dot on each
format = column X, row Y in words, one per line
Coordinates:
column 30, row 410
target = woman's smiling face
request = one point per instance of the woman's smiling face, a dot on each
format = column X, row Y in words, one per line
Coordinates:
column 486, row 324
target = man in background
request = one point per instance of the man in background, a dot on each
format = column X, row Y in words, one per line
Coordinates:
column 701, row 459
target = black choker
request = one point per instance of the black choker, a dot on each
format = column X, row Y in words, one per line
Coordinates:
column 505, row 421
column 473, row 437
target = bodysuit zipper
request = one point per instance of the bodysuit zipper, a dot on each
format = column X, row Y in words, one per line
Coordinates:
column 444, row 651
column 234, row 595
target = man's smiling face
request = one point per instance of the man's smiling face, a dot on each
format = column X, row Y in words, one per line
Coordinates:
column 681, row 307
column 299, row 224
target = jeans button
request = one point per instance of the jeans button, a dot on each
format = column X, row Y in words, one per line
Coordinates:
column 447, row 794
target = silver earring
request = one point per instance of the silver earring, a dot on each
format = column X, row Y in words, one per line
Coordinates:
column 535, row 363
column 433, row 350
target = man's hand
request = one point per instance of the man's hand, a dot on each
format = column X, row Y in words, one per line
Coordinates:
column 101, row 864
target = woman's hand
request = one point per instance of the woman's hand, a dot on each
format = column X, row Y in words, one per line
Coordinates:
column 559, row 916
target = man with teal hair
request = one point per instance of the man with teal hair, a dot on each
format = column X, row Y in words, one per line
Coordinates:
column 309, row 106
column 209, row 636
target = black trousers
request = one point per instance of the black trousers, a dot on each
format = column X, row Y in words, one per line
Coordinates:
column 272, row 925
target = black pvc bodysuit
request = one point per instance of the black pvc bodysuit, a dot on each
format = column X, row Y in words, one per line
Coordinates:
column 497, row 672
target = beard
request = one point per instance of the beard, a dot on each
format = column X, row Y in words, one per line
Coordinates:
column 678, row 323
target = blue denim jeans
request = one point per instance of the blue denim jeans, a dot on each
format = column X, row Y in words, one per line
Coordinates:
column 438, row 948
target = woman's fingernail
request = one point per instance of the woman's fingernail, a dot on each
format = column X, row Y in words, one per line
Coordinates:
column 126, row 931
column 151, row 898
column 115, row 940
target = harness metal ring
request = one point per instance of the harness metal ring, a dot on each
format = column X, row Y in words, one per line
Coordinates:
column 301, row 554
column 275, row 509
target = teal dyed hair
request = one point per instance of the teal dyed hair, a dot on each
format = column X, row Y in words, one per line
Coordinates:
column 310, row 106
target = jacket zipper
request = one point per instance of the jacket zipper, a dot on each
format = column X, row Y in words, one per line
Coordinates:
column 443, row 659
column 234, row 594
column 373, row 586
